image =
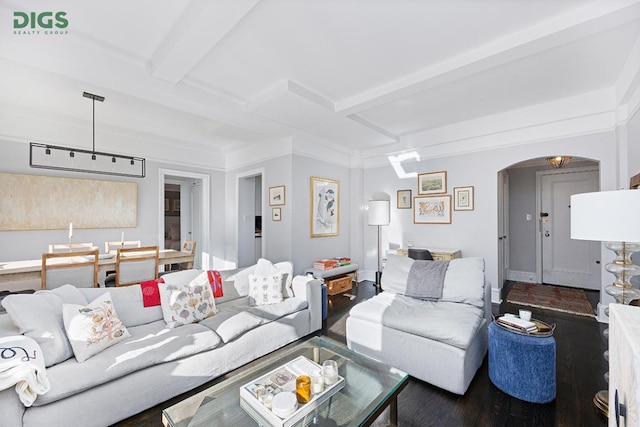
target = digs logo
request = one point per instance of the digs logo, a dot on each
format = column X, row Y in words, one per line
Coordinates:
column 49, row 23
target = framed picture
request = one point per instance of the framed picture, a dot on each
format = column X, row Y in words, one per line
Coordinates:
column 276, row 214
column 167, row 205
column 432, row 209
column 432, row 183
column 463, row 199
column 325, row 207
column 276, row 196
column 404, row 199
column 176, row 205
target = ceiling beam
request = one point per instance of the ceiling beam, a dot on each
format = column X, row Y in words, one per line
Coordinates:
column 579, row 23
column 184, row 47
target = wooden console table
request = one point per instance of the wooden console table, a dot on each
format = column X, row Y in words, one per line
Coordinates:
column 438, row 254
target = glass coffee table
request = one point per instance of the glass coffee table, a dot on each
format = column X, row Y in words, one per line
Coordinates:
column 370, row 387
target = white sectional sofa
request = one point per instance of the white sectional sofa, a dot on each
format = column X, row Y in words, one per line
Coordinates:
column 156, row 362
column 442, row 342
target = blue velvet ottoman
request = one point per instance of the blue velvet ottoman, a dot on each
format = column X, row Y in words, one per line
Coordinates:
column 522, row 366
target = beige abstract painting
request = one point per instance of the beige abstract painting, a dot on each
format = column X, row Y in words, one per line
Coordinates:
column 34, row 202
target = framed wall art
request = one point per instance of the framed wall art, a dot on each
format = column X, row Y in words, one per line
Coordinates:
column 463, row 199
column 432, row 183
column 325, row 207
column 277, row 195
column 432, row 209
column 276, row 214
column 404, row 199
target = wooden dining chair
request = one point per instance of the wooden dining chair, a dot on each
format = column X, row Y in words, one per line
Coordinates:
column 190, row 247
column 112, row 248
column 70, row 247
column 135, row 265
column 79, row 268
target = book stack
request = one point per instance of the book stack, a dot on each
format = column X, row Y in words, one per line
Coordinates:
column 325, row 264
column 343, row 261
column 517, row 323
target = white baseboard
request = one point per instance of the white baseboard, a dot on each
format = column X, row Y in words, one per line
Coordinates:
column 521, row 276
column 602, row 317
column 495, row 296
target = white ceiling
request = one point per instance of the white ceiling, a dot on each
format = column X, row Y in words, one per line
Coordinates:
column 360, row 75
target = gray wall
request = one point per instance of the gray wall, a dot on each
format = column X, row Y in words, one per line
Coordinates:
column 522, row 233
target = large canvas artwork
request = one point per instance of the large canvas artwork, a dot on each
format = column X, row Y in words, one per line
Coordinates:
column 325, row 207
column 34, row 202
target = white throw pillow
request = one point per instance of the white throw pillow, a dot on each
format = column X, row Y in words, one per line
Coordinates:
column 184, row 304
column 93, row 327
column 39, row 316
column 265, row 268
column 264, row 290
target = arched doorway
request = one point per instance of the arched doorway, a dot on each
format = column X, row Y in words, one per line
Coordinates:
column 534, row 231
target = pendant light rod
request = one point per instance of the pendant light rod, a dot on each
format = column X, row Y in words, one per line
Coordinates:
column 94, row 98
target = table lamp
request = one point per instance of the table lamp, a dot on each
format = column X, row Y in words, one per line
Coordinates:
column 379, row 215
column 611, row 217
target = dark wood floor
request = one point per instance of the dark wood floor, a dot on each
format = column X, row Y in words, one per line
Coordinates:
column 579, row 364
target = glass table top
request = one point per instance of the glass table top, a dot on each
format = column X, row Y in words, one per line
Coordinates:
column 369, row 388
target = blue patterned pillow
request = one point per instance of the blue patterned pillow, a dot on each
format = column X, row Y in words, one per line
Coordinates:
column 188, row 303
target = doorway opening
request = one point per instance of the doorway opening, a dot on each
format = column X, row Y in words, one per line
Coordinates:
column 534, row 225
column 250, row 214
column 184, row 213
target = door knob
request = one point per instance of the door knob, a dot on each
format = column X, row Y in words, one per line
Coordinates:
column 546, row 234
column 544, row 214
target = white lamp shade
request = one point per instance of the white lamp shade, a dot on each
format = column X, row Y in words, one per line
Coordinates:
column 607, row 216
column 379, row 212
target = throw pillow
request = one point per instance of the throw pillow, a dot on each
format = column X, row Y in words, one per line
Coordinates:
column 265, row 268
column 264, row 290
column 39, row 316
column 93, row 327
column 150, row 292
column 211, row 278
column 184, row 304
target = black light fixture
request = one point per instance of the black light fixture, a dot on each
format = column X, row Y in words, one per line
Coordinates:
column 90, row 161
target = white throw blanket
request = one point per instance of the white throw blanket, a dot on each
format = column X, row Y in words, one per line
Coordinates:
column 22, row 365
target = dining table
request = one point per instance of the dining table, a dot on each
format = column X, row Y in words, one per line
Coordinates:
column 14, row 271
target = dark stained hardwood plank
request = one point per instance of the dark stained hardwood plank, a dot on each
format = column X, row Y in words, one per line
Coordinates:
column 579, row 375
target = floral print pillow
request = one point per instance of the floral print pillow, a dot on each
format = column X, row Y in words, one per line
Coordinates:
column 93, row 327
column 184, row 304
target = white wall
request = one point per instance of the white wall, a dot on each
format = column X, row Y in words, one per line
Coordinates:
column 306, row 249
column 276, row 235
column 475, row 232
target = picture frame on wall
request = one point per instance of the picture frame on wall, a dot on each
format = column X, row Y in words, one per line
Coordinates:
column 432, row 209
column 277, row 195
column 463, row 198
column 324, row 197
column 276, row 214
column 404, row 199
column 432, row 183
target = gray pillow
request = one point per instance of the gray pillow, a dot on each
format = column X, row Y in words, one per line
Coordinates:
column 39, row 316
column 129, row 304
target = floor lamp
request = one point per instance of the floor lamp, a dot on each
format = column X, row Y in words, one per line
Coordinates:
column 379, row 213
column 611, row 217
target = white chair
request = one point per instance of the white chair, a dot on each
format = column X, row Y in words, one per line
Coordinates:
column 79, row 268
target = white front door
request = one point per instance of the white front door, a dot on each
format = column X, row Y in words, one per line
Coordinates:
column 566, row 261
